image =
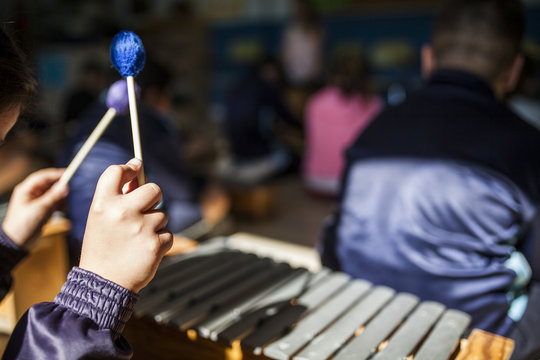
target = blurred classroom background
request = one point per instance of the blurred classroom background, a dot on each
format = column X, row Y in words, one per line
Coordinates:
column 209, row 46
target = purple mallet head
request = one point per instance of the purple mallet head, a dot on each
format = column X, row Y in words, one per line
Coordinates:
column 117, row 96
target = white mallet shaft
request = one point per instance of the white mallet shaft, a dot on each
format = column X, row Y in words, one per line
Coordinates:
column 137, row 149
column 87, row 146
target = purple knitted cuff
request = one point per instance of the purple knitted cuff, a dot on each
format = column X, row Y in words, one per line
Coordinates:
column 106, row 303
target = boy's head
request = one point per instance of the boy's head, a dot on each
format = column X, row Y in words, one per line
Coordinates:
column 17, row 83
column 479, row 36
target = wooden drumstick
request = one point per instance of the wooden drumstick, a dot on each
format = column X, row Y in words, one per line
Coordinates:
column 87, row 146
column 117, row 102
column 128, row 57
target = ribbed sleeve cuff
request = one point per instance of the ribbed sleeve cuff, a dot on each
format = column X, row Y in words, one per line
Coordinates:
column 10, row 256
column 106, row 303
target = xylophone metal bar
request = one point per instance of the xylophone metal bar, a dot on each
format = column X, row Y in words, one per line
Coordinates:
column 245, row 268
column 185, row 319
column 175, row 264
column 186, row 279
column 210, row 247
column 278, row 324
column 210, row 327
column 329, row 341
column 413, row 330
column 307, row 329
column 208, row 294
column 186, row 265
column 269, row 306
column 379, row 329
column 445, row 337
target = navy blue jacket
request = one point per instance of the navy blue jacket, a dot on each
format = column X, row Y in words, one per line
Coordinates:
column 85, row 320
column 439, row 198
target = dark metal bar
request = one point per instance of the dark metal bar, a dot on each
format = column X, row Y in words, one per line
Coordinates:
column 415, row 328
column 378, row 329
column 445, row 337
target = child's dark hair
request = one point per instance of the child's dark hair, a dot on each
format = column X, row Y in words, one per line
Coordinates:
column 484, row 34
column 349, row 72
column 17, row 82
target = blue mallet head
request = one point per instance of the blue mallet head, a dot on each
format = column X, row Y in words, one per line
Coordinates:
column 127, row 53
column 117, row 96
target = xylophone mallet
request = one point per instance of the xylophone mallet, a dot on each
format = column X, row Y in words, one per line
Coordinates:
column 117, row 102
column 128, row 57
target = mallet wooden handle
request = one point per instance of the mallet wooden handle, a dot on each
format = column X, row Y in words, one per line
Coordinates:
column 137, row 149
column 87, row 146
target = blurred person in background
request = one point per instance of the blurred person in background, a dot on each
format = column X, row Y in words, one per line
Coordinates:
column 335, row 116
column 91, row 81
column 302, row 57
column 440, row 196
column 253, row 103
column 302, row 49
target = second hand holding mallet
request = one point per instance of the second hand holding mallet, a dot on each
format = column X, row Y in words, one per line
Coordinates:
column 128, row 57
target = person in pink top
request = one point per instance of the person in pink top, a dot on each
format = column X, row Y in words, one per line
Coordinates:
column 334, row 118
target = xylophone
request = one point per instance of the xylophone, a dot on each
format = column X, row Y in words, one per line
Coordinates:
column 221, row 303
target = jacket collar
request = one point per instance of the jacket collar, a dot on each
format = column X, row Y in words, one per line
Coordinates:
column 462, row 79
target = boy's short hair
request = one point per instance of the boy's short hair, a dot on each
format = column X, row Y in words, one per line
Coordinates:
column 17, row 82
column 483, row 35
